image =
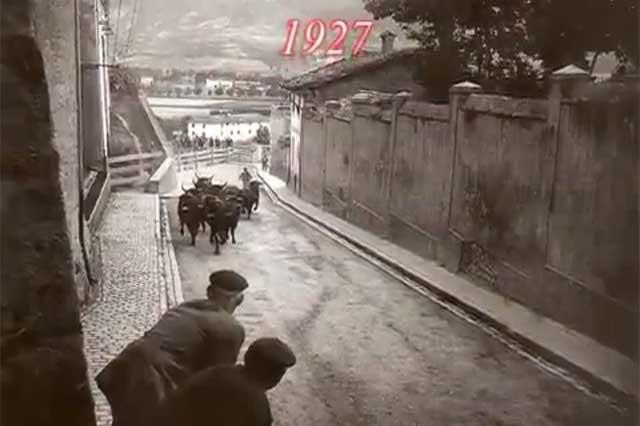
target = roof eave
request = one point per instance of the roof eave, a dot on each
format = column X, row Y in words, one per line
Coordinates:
column 401, row 54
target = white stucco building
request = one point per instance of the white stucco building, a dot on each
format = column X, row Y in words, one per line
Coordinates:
column 146, row 81
column 295, row 123
column 237, row 127
column 218, row 84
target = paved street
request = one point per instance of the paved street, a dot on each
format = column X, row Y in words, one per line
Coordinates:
column 370, row 350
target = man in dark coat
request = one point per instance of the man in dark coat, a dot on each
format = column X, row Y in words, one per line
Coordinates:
column 228, row 395
column 188, row 338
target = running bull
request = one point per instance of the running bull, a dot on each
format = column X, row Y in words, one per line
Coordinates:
column 191, row 212
column 251, row 198
column 222, row 216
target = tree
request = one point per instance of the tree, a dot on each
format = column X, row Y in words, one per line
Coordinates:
column 219, row 91
column 178, row 91
column 597, row 26
column 496, row 42
column 230, row 91
column 263, row 137
column 198, row 91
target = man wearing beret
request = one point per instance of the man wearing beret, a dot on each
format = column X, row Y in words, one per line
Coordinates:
column 230, row 394
column 188, row 338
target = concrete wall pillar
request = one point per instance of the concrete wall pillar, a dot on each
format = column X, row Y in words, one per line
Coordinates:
column 449, row 252
column 397, row 101
column 563, row 83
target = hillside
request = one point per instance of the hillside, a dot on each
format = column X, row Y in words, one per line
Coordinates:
column 228, row 34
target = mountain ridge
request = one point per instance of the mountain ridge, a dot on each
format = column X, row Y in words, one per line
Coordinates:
column 242, row 35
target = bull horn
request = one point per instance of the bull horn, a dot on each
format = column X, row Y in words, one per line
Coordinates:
column 194, row 181
column 182, row 186
column 211, row 178
column 224, row 185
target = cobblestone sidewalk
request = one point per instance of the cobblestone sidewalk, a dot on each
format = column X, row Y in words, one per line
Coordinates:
column 134, row 290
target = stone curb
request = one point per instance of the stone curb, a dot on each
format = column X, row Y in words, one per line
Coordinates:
column 160, row 255
column 594, row 383
column 171, row 271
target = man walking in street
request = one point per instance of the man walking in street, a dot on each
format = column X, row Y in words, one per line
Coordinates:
column 188, row 338
column 245, row 177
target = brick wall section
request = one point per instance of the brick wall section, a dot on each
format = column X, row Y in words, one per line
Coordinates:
column 534, row 199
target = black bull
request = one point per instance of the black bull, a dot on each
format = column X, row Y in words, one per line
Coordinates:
column 191, row 212
column 251, row 198
column 222, row 216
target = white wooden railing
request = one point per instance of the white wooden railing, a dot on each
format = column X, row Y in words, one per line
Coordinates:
column 134, row 169
column 193, row 160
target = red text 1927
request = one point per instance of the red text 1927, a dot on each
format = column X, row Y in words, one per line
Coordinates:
column 315, row 34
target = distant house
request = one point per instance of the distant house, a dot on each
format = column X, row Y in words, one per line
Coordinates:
column 146, row 81
column 238, row 127
column 387, row 70
column 168, row 72
column 213, row 84
column 200, row 80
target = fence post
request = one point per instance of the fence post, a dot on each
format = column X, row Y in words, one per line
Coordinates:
column 563, row 82
column 397, row 101
column 449, row 252
column 195, row 154
column 325, row 140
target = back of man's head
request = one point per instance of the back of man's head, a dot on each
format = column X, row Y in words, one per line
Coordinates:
column 227, row 280
column 267, row 359
column 226, row 287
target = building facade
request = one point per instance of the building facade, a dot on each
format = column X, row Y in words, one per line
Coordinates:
column 387, row 70
column 237, row 128
column 280, row 123
column 297, row 103
column 55, row 178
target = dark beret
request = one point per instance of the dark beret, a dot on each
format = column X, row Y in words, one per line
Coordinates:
column 228, row 280
column 270, row 351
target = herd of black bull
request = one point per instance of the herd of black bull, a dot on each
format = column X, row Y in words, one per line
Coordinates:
column 219, row 206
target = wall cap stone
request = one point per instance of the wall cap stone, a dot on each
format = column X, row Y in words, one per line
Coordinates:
column 570, row 72
column 466, row 87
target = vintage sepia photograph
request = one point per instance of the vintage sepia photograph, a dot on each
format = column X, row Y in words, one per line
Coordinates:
column 320, row 213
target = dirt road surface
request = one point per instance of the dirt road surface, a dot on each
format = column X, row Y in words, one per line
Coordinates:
column 370, row 350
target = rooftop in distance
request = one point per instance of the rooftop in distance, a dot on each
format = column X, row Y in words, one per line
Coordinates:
column 231, row 119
